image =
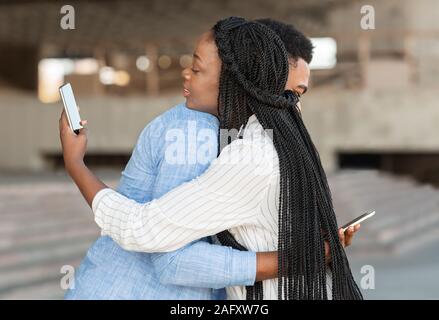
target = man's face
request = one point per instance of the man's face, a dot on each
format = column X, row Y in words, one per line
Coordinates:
column 298, row 77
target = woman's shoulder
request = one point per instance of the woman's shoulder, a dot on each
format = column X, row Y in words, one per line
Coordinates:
column 258, row 138
column 250, row 153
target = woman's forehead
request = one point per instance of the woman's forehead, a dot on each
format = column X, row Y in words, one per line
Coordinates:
column 206, row 48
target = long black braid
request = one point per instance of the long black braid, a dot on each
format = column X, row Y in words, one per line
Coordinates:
column 252, row 81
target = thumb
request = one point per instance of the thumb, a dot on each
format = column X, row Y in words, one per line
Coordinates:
column 341, row 236
column 83, row 131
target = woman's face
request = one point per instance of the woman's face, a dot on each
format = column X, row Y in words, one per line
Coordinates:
column 201, row 80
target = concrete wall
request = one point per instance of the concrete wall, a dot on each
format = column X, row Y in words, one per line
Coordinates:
column 367, row 120
column 405, row 27
column 395, row 111
column 30, row 128
column 344, row 23
column 372, row 121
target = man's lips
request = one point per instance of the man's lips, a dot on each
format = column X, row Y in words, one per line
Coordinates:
column 186, row 92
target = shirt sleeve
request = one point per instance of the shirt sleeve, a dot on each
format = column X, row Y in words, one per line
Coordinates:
column 205, row 265
column 227, row 195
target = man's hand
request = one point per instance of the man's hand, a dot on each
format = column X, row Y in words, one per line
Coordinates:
column 267, row 262
column 345, row 240
column 73, row 146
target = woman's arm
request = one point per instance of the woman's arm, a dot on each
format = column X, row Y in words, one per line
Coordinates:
column 74, row 149
column 201, row 264
column 205, row 206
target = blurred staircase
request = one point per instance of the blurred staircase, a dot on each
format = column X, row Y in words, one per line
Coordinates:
column 407, row 214
column 45, row 224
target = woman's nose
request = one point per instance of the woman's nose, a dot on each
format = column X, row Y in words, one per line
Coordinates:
column 185, row 74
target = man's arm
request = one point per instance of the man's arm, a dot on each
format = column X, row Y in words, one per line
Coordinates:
column 205, row 265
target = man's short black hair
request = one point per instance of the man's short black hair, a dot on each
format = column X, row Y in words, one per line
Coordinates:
column 296, row 43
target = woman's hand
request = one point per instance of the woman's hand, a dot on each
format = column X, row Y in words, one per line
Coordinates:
column 73, row 146
column 345, row 240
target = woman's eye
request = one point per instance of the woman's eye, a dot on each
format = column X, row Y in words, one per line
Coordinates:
column 195, row 71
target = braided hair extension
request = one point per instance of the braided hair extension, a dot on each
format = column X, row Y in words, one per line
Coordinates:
column 253, row 76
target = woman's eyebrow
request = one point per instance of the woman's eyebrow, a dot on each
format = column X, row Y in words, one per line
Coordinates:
column 196, row 56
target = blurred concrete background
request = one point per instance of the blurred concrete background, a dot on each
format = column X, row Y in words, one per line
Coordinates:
column 371, row 109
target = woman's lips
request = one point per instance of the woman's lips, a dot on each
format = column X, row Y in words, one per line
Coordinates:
column 186, row 92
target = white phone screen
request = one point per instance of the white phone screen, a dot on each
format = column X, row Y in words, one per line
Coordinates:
column 71, row 107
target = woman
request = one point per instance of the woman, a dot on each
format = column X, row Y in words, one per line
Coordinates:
column 271, row 192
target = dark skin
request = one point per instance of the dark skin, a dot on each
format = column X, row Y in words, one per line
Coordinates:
column 298, row 77
column 201, row 88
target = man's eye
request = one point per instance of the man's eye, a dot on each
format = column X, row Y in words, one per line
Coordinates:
column 195, row 71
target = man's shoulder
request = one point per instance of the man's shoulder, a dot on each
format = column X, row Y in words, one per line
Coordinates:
column 181, row 117
column 181, row 114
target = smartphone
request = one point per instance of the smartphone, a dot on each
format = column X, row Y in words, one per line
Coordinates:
column 70, row 107
column 357, row 220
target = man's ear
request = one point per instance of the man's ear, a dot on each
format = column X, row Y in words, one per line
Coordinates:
column 292, row 62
